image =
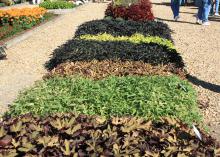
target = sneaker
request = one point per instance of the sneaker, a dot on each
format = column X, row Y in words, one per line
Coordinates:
column 206, row 23
column 176, row 18
column 199, row 21
column 216, row 14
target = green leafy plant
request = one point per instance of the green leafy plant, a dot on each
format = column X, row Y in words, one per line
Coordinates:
column 150, row 97
column 124, row 28
column 57, row 5
column 98, row 136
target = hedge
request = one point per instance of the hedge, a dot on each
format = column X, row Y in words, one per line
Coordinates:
column 124, row 28
column 153, row 50
column 150, row 97
column 81, row 135
column 57, row 5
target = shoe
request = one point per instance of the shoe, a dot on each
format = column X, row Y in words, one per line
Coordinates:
column 216, row 14
column 176, row 18
column 206, row 23
column 199, row 21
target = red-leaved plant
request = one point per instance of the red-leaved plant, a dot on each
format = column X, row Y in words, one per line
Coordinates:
column 138, row 12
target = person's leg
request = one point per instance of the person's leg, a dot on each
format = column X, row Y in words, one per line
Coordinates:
column 173, row 7
column 206, row 11
column 216, row 7
column 212, row 9
column 33, row 2
column 199, row 14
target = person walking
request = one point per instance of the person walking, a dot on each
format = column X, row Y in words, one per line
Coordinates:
column 175, row 6
column 215, row 10
column 203, row 12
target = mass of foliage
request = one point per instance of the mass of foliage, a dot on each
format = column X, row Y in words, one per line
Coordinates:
column 57, row 5
column 101, row 69
column 140, row 11
column 80, row 135
column 153, row 50
column 124, row 28
column 151, row 97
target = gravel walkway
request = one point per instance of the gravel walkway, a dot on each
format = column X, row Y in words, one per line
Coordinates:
column 25, row 63
column 200, row 48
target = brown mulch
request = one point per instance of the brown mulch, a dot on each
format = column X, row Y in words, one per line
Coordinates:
column 101, row 69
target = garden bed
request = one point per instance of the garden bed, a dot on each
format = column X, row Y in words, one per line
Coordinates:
column 9, row 32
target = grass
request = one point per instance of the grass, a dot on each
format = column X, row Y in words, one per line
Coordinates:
column 149, row 97
column 9, row 31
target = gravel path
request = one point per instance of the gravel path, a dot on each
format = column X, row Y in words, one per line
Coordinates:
column 25, row 63
column 200, row 48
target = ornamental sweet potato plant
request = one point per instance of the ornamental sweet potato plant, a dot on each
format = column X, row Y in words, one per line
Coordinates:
column 150, row 97
column 124, row 28
column 153, row 50
column 80, row 135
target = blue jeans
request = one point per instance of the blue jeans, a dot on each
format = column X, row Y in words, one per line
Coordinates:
column 204, row 10
column 216, row 10
column 175, row 6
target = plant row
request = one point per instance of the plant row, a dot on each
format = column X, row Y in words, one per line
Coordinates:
column 149, row 97
column 101, row 69
column 153, row 50
column 138, row 11
column 117, row 27
column 81, row 135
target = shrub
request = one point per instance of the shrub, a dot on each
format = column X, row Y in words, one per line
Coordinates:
column 125, row 28
column 25, row 17
column 101, row 69
column 153, row 50
column 57, row 5
column 150, row 97
column 80, row 135
column 140, row 11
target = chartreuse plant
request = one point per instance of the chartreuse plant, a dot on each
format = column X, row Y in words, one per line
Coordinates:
column 136, row 39
column 150, row 97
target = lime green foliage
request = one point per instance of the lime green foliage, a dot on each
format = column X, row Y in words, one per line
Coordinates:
column 136, row 38
column 57, row 5
column 150, row 97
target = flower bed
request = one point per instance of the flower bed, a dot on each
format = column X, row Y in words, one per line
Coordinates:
column 81, row 135
column 14, row 21
column 153, row 50
column 124, row 28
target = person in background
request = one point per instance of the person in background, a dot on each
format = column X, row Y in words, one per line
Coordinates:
column 215, row 10
column 203, row 12
column 175, row 6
